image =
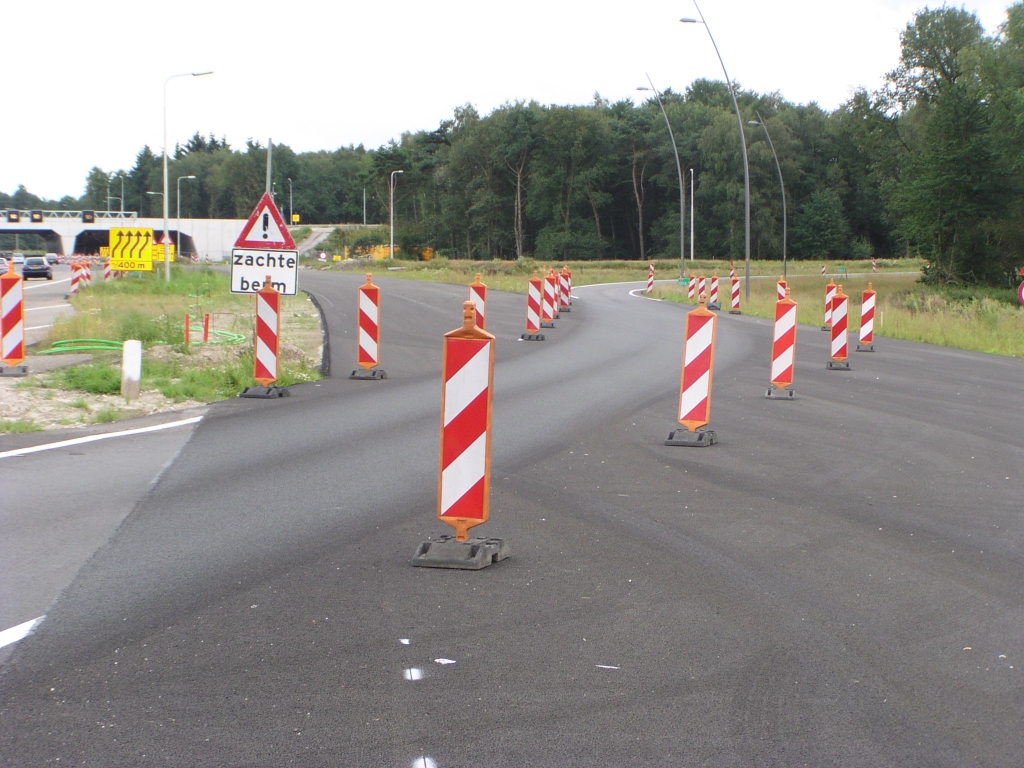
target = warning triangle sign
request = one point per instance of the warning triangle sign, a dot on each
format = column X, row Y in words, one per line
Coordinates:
column 265, row 229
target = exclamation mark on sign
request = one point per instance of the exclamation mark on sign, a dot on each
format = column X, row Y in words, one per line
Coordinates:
column 266, row 225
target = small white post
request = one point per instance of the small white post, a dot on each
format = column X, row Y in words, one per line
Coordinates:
column 131, row 370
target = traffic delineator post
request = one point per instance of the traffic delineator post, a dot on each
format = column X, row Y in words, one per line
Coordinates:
column 368, row 329
column 822, row 270
column 866, row 336
column 840, row 341
column 549, row 310
column 478, row 295
column 266, row 349
column 695, row 388
column 691, row 287
column 783, row 350
column 107, row 274
column 830, row 292
column 564, row 290
column 206, row 328
column 701, row 285
column 463, row 484
column 734, row 291
column 713, row 303
column 12, row 324
column 780, row 289
column 76, row 277
column 534, row 302
column 874, row 264
column 650, row 279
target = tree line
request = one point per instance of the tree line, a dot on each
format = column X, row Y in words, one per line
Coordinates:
column 928, row 165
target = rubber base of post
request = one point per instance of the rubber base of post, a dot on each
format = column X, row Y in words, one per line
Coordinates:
column 715, row 306
column 868, row 348
column 375, row 374
column 547, row 325
column 826, row 327
column 735, row 312
column 837, row 365
column 564, row 309
column 532, row 337
column 265, row 393
column 470, row 555
column 13, row 370
column 780, row 394
column 700, row 439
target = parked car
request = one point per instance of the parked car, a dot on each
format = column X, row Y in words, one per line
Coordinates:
column 18, row 258
column 36, row 266
column 52, row 258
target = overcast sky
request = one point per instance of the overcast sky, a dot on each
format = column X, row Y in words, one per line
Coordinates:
column 83, row 82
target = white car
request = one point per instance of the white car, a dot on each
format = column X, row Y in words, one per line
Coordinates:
column 18, row 258
column 3, row 265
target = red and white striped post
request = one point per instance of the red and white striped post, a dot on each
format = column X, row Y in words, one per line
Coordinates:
column 691, row 287
column 830, row 293
column 268, row 334
column 478, row 295
column 822, row 270
column 564, row 290
column 12, row 324
column 734, row 287
column 866, row 338
column 874, row 264
column 107, row 274
column 87, row 273
column 650, row 279
column 534, row 304
column 368, row 351
column 464, row 477
column 547, row 307
column 701, row 288
column 695, row 388
column 840, row 343
column 713, row 298
column 783, row 348
column 780, row 289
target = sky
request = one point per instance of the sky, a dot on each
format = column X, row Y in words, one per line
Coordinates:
column 85, row 82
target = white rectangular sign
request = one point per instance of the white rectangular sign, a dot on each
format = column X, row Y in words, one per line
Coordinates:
column 249, row 268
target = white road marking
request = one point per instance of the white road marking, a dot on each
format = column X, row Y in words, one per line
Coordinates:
column 92, row 438
column 14, row 634
column 38, row 327
column 48, row 282
column 50, row 306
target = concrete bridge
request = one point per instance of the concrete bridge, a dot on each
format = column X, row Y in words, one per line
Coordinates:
column 67, row 232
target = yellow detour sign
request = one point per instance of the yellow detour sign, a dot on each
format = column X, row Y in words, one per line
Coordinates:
column 105, row 251
column 130, row 249
column 158, row 252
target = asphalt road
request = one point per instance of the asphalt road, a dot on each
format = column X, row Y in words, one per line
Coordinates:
column 44, row 300
column 837, row 582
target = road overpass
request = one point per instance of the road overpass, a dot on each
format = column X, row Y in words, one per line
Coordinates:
column 67, row 232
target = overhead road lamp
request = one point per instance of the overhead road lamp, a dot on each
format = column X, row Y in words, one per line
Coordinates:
column 167, row 244
column 178, row 201
column 743, row 148
column 679, row 173
column 392, row 201
column 782, row 186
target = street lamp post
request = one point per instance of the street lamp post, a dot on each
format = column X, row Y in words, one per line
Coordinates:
column 167, row 244
column 392, row 201
column 178, row 200
column 693, row 197
column 743, row 149
column 291, row 210
column 782, row 185
column 679, row 173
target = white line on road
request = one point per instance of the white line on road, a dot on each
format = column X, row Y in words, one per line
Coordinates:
column 48, row 306
column 92, row 438
column 14, row 634
column 48, row 282
column 38, row 327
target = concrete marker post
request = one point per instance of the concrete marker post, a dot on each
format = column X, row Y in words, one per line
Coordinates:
column 131, row 370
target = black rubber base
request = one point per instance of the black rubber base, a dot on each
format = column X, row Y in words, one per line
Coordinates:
column 780, row 394
column 868, row 348
column 564, row 309
column 715, row 306
column 265, row 393
column 826, row 327
column 735, row 312
column 532, row 337
column 376, row 374
column 13, row 370
column 834, row 365
column 547, row 325
column 470, row 555
column 699, row 439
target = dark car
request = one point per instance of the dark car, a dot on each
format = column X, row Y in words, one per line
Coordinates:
column 36, row 266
